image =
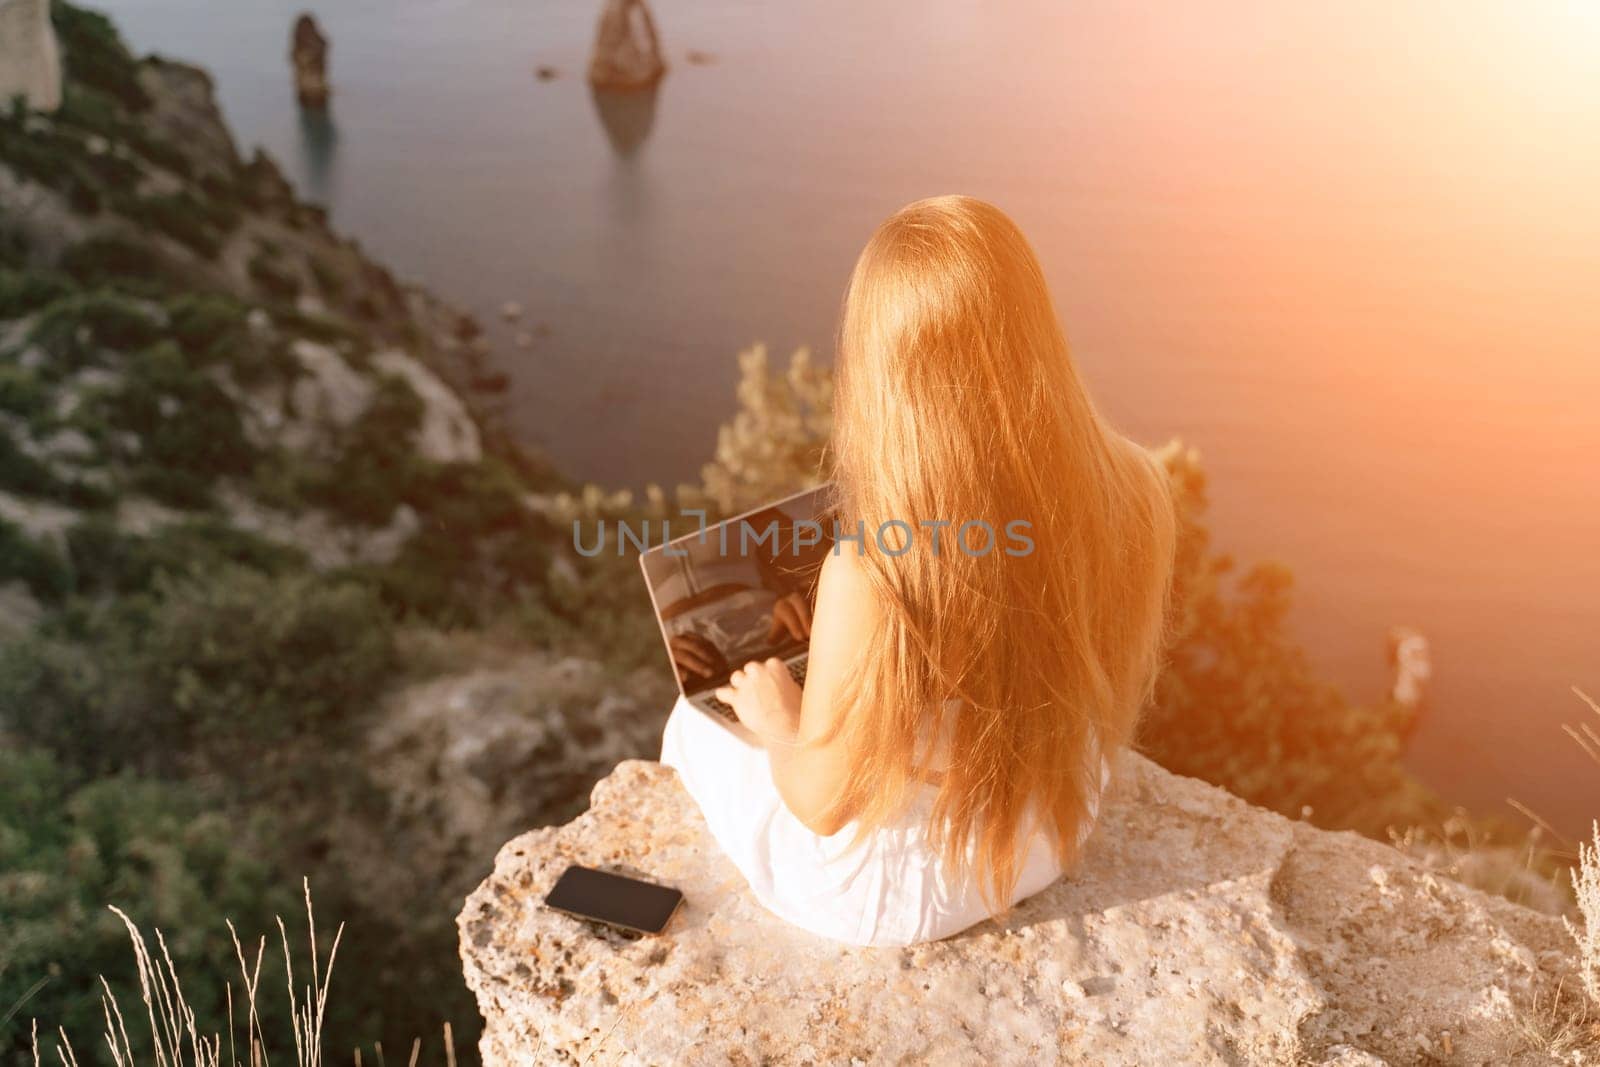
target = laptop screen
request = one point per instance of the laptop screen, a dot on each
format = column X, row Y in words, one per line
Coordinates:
column 742, row 590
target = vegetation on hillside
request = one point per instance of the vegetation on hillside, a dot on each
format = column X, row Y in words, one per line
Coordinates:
column 196, row 629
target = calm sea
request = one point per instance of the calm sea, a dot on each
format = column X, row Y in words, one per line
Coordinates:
column 1350, row 251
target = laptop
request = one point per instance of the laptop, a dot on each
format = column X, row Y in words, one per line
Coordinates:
column 734, row 592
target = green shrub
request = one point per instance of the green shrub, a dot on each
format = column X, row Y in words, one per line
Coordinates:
column 13, row 247
column 478, row 550
column 189, row 430
column 165, row 154
column 39, row 566
column 22, row 473
column 327, row 329
column 25, row 475
column 89, row 110
column 159, row 851
column 214, row 330
column 111, row 170
column 205, row 670
column 181, row 216
column 93, row 55
column 129, row 265
column 264, row 360
column 57, row 154
column 53, row 160
column 83, row 198
column 176, row 489
column 327, row 276
column 74, row 328
column 223, row 190
column 376, row 466
column 218, row 214
column 776, row 439
column 598, row 607
column 276, row 281
column 25, row 291
column 207, row 324
column 21, row 391
column 104, row 559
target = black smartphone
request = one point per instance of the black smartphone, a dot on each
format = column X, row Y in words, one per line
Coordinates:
column 614, row 899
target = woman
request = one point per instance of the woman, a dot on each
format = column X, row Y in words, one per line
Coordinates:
column 947, row 754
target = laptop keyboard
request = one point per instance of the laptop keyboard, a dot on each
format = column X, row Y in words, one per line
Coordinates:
column 721, row 708
column 797, row 671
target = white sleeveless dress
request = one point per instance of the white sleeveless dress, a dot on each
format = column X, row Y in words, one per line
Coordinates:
column 893, row 890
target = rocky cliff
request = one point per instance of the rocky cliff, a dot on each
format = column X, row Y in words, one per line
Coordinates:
column 30, row 65
column 1199, row 930
column 219, row 416
column 129, row 222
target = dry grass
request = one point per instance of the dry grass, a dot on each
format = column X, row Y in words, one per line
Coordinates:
column 1565, row 1026
column 1586, row 885
column 1528, row 872
column 1562, row 1025
column 176, row 1038
column 1586, row 877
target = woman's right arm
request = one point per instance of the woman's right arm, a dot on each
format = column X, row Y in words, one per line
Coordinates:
column 808, row 777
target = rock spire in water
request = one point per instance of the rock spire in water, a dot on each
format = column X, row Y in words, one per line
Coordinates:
column 627, row 53
column 308, row 52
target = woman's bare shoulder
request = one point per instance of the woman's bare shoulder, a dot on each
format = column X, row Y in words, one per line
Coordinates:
column 844, row 581
column 846, row 618
column 847, row 611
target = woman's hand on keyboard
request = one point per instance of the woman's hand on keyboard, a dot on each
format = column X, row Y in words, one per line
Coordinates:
column 694, row 655
column 766, row 699
column 791, row 616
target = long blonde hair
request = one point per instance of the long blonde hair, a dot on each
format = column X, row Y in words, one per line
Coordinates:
column 957, row 401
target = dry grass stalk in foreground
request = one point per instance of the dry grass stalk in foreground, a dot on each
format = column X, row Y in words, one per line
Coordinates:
column 1567, row 1026
column 1586, row 877
column 1586, row 885
column 1562, row 1026
column 175, row 1036
column 1528, row 872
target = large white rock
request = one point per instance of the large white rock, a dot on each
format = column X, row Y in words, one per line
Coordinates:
column 30, row 62
column 1200, row 930
column 512, row 738
column 447, row 433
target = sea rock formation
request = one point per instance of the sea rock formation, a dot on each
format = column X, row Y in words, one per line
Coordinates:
column 627, row 53
column 1199, row 930
column 308, row 52
column 1411, row 669
column 30, row 62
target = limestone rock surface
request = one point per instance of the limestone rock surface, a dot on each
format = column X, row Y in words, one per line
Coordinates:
column 30, row 59
column 184, row 113
column 1199, row 930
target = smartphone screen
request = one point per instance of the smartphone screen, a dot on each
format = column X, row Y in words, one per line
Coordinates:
column 614, row 899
